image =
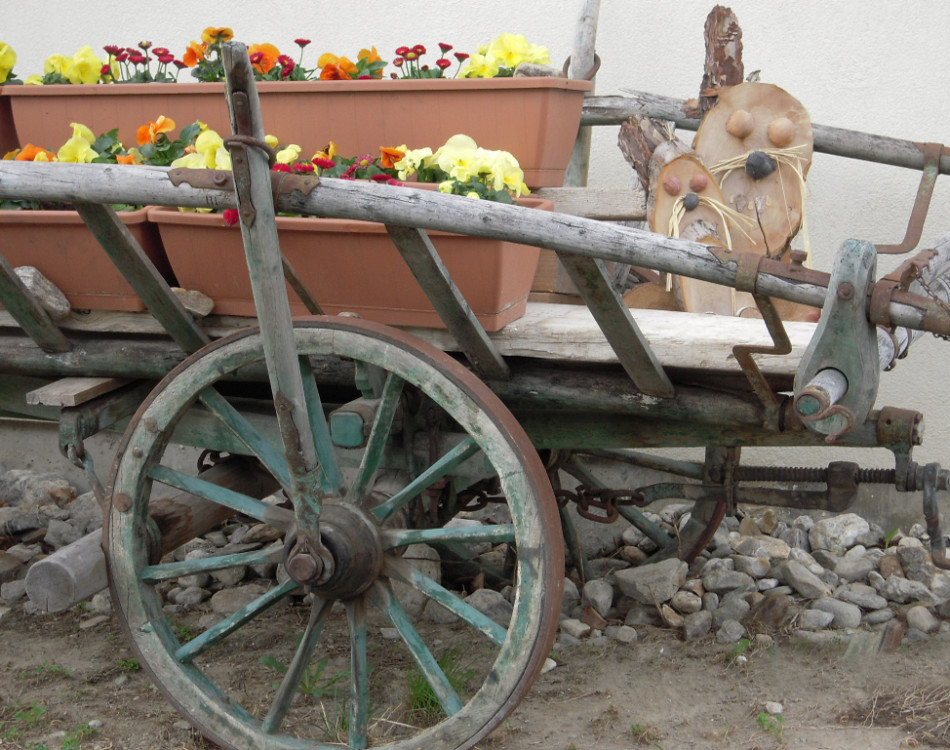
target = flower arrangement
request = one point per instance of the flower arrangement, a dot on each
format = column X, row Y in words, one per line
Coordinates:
column 147, row 63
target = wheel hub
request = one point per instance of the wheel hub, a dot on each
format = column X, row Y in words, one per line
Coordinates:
column 351, row 558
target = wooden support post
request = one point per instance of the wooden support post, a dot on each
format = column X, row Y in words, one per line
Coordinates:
column 78, row 570
column 434, row 279
column 31, row 316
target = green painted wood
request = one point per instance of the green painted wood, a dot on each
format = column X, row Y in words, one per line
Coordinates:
column 346, row 429
column 495, row 534
column 378, row 438
column 28, row 312
column 168, row 571
column 220, row 495
column 423, row 260
column 319, row 611
column 384, row 598
column 410, row 575
column 620, row 329
column 359, row 674
column 438, row 469
column 127, row 255
column 251, row 172
column 230, row 624
column 239, row 426
column 331, row 481
column 479, row 416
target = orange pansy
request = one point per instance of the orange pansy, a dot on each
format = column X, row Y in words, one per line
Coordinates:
column 269, row 53
column 214, row 34
column 390, row 156
column 194, row 54
column 29, row 153
column 126, row 159
column 148, row 133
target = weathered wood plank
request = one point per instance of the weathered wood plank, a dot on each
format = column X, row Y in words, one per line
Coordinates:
column 434, row 279
column 603, row 204
column 853, row 144
column 582, row 64
column 73, row 391
column 28, row 312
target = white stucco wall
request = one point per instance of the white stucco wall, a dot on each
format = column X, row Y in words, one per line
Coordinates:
column 876, row 66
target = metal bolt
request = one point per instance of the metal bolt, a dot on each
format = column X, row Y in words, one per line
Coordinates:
column 219, row 178
column 303, row 567
column 797, row 257
column 121, row 502
column 150, row 424
column 845, row 291
column 137, row 451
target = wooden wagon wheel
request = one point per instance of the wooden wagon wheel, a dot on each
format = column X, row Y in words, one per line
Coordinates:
column 473, row 688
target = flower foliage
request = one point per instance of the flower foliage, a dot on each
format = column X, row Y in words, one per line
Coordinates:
column 500, row 57
column 146, row 63
column 461, row 167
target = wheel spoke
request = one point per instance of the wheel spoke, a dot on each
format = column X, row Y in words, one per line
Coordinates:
column 384, row 598
column 378, row 437
column 237, row 501
column 331, row 480
column 228, row 625
column 244, row 431
column 458, row 455
column 319, row 611
column 401, row 570
column 359, row 673
column 503, row 532
column 167, row 571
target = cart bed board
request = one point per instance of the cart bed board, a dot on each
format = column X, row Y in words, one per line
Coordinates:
column 356, row 442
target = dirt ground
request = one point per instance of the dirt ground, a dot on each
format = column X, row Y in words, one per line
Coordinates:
column 59, row 673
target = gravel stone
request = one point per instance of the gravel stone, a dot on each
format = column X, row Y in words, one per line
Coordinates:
column 599, row 594
column 862, row 595
column 621, row 633
column 697, row 625
column 730, row 632
column 492, row 604
column 686, row 602
column 837, row 533
column 879, row 616
column 757, row 567
column 806, row 583
column 726, row 580
column 816, row 619
column 846, row 615
column 921, row 618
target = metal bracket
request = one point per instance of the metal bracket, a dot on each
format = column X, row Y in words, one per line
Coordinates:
column 915, row 225
column 837, row 379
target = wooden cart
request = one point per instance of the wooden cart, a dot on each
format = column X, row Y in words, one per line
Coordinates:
column 370, row 440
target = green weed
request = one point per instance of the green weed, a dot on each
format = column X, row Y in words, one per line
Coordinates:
column 771, row 724
column 423, row 703
column 16, row 720
column 129, row 665
column 313, row 683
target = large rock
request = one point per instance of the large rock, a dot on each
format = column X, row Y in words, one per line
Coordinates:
column 230, row 600
column 720, row 580
column 426, row 560
column 653, row 584
column 599, row 594
column 492, row 604
column 862, row 595
column 761, row 546
column 916, row 563
column 837, row 533
column 922, row 618
column 696, row 625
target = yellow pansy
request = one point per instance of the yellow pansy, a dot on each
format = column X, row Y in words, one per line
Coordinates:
column 83, row 67
column 81, row 131
column 55, row 64
column 288, row 155
column 77, row 150
column 7, row 60
column 35, row 79
column 271, row 140
column 458, row 157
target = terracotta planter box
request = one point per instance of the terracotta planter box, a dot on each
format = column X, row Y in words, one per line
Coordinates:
column 350, row 266
column 536, row 119
column 60, row 245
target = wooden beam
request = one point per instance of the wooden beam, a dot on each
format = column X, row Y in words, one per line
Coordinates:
column 73, row 391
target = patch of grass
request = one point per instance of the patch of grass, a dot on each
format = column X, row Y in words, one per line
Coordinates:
column 923, row 711
column 313, row 683
column 889, row 537
column 17, row 719
column 184, row 633
column 50, row 669
column 423, row 704
column 774, row 725
column 73, row 739
column 129, row 665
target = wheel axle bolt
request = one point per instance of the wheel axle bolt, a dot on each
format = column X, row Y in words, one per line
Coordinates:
column 304, row 568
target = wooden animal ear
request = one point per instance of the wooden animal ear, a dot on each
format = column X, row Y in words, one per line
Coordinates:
column 781, row 131
column 741, row 123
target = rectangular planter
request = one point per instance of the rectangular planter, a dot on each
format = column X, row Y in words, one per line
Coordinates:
column 350, row 266
column 536, row 119
column 59, row 244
